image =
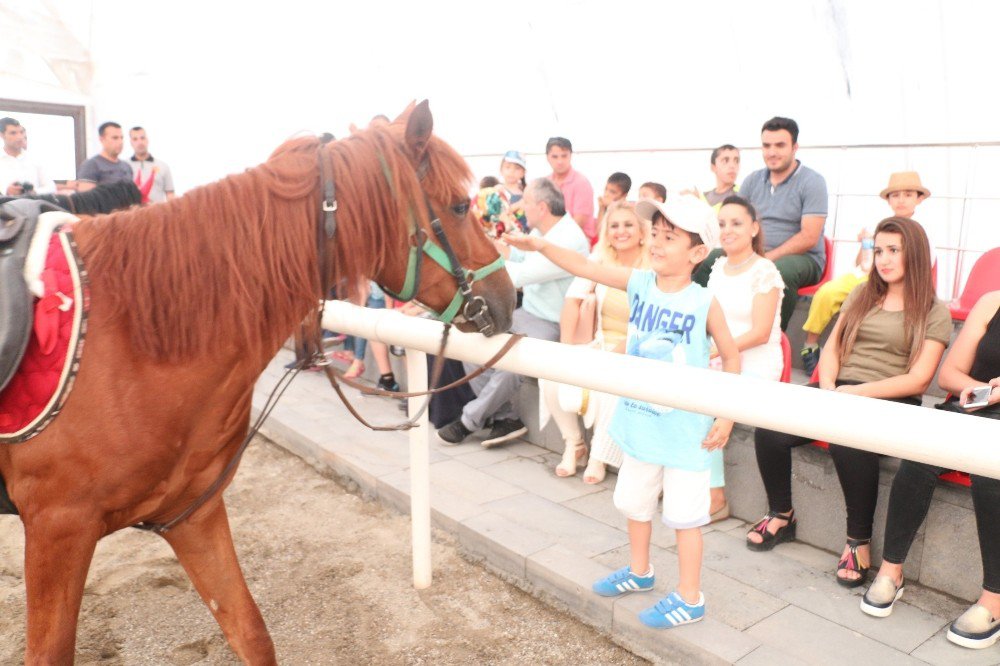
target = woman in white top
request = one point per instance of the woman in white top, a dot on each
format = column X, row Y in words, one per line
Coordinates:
column 749, row 289
column 597, row 316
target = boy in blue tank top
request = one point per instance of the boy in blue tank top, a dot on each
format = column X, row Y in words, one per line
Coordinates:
column 665, row 449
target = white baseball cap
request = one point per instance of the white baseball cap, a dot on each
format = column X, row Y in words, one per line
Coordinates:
column 687, row 212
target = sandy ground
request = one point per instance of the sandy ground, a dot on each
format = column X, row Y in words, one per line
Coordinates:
column 332, row 575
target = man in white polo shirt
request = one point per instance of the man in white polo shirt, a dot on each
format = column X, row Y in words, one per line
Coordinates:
column 18, row 172
column 544, row 286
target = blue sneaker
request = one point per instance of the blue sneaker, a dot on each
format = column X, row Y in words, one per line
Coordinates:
column 673, row 611
column 624, row 581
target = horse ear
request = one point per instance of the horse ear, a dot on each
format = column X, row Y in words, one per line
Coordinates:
column 419, row 126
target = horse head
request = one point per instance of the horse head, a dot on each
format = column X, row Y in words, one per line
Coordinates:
column 439, row 256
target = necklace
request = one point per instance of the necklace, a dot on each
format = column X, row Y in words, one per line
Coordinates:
column 736, row 267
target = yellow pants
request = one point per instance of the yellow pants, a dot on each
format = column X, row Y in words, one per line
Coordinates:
column 827, row 300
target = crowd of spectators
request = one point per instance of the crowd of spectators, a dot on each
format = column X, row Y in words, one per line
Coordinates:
column 711, row 278
column 22, row 175
column 705, row 279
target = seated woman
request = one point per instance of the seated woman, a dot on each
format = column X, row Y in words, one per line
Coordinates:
column 749, row 289
column 887, row 344
column 973, row 361
column 623, row 241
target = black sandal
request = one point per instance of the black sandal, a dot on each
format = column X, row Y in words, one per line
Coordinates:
column 768, row 540
column 851, row 561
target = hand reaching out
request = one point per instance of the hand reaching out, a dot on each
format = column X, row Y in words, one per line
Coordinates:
column 521, row 241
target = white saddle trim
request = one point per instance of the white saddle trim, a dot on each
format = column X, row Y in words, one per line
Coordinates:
column 34, row 263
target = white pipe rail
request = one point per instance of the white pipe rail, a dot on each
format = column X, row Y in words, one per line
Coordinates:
column 949, row 440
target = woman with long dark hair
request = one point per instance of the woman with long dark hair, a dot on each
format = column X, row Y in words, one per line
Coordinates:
column 887, row 344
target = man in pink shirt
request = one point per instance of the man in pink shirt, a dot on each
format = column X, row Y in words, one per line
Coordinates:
column 575, row 187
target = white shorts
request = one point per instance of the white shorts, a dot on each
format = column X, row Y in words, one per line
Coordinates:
column 686, row 494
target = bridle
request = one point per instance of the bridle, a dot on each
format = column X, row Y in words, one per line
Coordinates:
column 474, row 309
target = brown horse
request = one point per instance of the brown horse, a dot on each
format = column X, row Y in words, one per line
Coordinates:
column 190, row 300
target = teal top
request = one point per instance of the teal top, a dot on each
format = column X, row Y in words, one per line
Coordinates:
column 670, row 327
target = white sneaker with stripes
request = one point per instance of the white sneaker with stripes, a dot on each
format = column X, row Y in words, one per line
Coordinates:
column 673, row 611
column 624, row 581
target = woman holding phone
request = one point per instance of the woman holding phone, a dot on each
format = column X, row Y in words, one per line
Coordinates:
column 973, row 363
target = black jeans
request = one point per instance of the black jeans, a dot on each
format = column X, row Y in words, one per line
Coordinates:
column 910, row 500
column 857, row 471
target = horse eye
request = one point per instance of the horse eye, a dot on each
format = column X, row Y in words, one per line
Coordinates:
column 460, row 209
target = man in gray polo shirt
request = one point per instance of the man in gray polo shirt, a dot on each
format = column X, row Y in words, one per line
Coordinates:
column 152, row 176
column 791, row 202
column 105, row 167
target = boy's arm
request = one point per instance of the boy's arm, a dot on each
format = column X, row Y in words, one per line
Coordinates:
column 718, row 435
column 723, row 339
column 616, row 277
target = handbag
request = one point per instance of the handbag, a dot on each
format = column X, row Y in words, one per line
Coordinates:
column 586, row 323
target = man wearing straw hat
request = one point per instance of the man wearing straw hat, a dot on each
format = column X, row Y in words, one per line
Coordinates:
column 903, row 194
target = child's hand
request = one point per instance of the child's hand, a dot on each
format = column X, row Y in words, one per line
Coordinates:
column 718, row 436
column 527, row 242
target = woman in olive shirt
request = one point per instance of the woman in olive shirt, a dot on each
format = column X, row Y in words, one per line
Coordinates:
column 887, row 344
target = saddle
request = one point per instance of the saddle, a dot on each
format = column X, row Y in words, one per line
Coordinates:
column 18, row 221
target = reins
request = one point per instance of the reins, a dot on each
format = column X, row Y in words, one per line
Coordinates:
column 475, row 310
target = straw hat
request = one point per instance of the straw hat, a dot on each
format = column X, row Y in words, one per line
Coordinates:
column 905, row 180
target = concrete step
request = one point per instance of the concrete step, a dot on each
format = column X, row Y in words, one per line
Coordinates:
column 554, row 537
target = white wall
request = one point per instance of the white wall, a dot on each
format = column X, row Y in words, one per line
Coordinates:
column 220, row 85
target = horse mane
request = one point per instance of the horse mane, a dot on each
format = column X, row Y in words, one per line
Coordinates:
column 239, row 257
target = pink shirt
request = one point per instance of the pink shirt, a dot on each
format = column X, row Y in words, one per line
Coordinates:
column 579, row 196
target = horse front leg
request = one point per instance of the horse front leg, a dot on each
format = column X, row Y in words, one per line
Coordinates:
column 58, row 549
column 204, row 546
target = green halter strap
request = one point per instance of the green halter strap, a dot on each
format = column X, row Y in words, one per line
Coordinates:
column 445, row 257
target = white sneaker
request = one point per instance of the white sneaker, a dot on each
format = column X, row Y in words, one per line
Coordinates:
column 976, row 628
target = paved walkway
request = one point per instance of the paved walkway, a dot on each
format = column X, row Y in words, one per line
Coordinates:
column 555, row 536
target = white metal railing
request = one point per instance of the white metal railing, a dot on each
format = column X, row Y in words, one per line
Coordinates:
column 903, row 431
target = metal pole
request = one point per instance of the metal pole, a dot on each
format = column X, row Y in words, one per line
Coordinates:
column 420, row 466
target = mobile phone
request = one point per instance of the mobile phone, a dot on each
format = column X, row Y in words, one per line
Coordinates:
column 979, row 397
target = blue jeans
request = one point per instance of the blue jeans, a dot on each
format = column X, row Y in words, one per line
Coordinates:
column 359, row 346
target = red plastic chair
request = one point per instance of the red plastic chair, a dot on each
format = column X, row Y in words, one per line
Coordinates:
column 786, row 357
column 958, row 478
column 827, row 270
column 985, row 276
column 815, row 380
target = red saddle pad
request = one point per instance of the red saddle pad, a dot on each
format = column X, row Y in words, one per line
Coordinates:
column 43, row 381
